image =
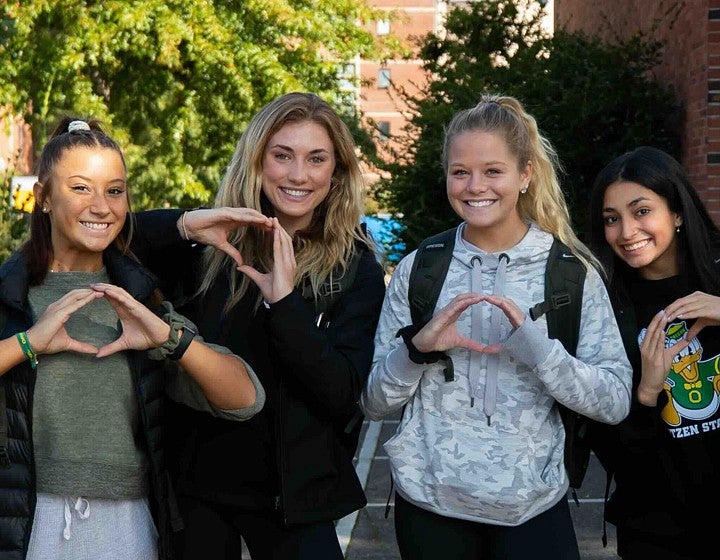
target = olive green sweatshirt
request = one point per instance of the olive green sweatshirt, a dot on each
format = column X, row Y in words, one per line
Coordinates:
column 85, row 413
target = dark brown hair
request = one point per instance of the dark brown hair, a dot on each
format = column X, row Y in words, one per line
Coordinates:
column 38, row 248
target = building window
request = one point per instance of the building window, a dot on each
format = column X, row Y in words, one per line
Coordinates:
column 383, row 80
column 383, row 27
column 347, row 77
column 383, row 128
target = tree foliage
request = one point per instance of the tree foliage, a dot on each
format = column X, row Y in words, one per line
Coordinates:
column 174, row 81
column 593, row 101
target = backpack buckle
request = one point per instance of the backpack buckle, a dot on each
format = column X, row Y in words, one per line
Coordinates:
column 329, row 288
column 560, row 300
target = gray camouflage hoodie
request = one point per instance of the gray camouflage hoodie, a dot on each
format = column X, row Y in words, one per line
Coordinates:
column 488, row 446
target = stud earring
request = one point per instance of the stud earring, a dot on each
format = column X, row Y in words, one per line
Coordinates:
column 525, row 188
column 45, row 209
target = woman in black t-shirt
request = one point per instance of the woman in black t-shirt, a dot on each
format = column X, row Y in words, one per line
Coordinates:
column 660, row 250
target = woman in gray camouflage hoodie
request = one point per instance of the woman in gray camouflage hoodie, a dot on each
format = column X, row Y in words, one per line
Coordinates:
column 478, row 462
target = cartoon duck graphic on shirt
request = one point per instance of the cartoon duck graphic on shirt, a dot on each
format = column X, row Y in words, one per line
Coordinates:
column 692, row 385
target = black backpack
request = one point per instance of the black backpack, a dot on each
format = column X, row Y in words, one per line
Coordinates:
column 564, row 280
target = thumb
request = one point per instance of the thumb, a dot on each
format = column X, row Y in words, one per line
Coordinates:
column 251, row 273
column 232, row 252
column 81, row 347
column 698, row 325
column 108, row 349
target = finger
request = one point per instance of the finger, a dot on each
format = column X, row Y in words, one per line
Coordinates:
column 116, row 296
column 66, row 306
column 454, row 309
column 284, row 262
column 654, row 332
column 476, row 346
column 685, row 311
column 283, row 241
column 72, row 297
column 112, row 348
column 659, row 336
column 245, row 216
column 514, row 314
column 75, row 294
column 468, row 295
column 678, row 347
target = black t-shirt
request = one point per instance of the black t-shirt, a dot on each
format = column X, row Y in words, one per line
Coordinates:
column 670, row 466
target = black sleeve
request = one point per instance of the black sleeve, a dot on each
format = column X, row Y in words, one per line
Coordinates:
column 157, row 243
column 330, row 365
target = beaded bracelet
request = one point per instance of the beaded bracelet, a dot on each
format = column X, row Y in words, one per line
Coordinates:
column 22, row 338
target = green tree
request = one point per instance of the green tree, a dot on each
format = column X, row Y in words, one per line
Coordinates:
column 174, row 81
column 591, row 99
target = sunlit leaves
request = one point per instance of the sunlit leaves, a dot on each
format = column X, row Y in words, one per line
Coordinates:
column 175, row 81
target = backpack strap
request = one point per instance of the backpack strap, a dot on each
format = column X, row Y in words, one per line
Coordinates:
column 564, row 281
column 427, row 277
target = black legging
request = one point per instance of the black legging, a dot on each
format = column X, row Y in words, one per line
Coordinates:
column 212, row 532
column 423, row 535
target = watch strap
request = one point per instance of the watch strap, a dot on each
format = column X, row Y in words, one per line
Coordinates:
column 186, row 338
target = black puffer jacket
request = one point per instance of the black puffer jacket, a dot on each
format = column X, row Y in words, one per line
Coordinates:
column 294, row 456
column 17, row 478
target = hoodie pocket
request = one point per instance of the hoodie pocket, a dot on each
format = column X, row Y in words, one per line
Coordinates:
column 460, row 470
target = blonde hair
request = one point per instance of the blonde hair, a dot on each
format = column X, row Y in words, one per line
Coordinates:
column 328, row 243
column 544, row 202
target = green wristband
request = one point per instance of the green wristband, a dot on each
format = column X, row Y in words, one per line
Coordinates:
column 22, row 338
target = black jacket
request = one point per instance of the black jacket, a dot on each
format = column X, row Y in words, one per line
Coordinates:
column 293, row 456
column 17, row 479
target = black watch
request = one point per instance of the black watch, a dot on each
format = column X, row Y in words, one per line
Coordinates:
column 185, row 339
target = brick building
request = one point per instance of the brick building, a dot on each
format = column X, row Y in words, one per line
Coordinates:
column 690, row 64
column 411, row 19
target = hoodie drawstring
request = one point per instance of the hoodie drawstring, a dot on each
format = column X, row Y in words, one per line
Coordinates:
column 82, row 507
column 493, row 360
column 475, row 327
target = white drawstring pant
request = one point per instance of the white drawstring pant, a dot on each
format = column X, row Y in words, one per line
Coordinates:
column 77, row 528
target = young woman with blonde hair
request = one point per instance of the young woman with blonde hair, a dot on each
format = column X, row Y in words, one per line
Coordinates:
column 477, row 462
column 259, row 290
